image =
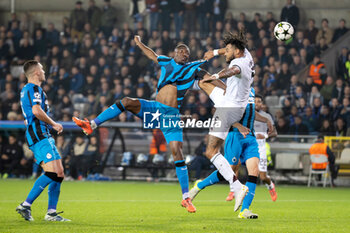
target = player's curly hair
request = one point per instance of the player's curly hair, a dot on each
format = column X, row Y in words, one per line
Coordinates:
column 239, row 40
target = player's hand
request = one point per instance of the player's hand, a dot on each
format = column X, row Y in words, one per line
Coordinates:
column 137, row 40
column 209, row 55
column 58, row 127
column 208, row 78
column 243, row 130
column 260, row 136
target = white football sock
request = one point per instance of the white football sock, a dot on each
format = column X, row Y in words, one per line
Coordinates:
column 26, row 204
column 49, row 211
column 225, row 170
column 185, row 195
column 236, row 186
column 271, row 186
column 93, row 125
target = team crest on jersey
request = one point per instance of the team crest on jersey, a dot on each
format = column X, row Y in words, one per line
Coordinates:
column 37, row 95
column 48, row 156
column 234, row 160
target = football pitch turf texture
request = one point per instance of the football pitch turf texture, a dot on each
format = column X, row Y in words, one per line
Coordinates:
column 155, row 207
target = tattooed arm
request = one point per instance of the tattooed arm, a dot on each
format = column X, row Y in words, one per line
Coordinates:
column 225, row 73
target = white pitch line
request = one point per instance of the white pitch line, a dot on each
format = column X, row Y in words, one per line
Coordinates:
column 10, row 201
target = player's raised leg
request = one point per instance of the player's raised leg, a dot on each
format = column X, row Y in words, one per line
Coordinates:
column 222, row 165
column 253, row 171
column 127, row 103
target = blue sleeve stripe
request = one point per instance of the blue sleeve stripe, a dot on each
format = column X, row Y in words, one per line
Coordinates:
column 182, row 82
column 185, row 86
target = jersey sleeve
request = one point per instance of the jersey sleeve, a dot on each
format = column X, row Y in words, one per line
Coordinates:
column 238, row 63
column 34, row 96
column 163, row 60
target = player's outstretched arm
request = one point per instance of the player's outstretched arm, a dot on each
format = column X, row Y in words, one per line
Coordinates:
column 212, row 53
column 146, row 50
column 242, row 129
column 41, row 115
column 225, row 73
column 218, row 83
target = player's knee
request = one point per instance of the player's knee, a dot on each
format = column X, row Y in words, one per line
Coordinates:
column 253, row 171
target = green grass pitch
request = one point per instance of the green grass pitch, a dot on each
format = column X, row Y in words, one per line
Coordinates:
column 155, row 207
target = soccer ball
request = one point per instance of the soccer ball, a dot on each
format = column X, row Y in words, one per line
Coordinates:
column 283, row 31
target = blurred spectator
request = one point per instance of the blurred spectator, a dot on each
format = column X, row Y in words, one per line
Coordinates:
column 347, row 69
column 153, row 9
column 309, row 120
column 338, row 90
column 340, row 31
column 311, row 31
column 335, row 109
column 327, row 89
column 190, row 15
column 75, row 158
column 219, row 11
column 108, row 18
column 298, row 128
column 78, row 18
column 317, row 71
column 322, row 46
column 340, row 128
column 200, row 162
column 282, row 127
column 296, row 66
column 40, row 44
column 326, row 128
column 94, row 15
column 11, row 155
column 91, row 158
column 203, row 16
column 52, row 35
column 290, row 13
column 340, row 67
column 324, row 32
column 77, row 80
column 321, row 148
column 177, row 9
column 136, row 9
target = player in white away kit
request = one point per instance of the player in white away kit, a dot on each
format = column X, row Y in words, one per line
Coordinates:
column 261, row 133
column 230, row 104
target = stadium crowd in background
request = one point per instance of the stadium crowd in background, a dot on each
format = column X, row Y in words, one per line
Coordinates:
column 90, row 63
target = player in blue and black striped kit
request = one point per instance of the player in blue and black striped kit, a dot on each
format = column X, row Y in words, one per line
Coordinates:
column 177, row 76
column 240, row 145
column 35, row 110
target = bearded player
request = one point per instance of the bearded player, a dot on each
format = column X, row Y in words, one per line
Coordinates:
column 177, row 76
